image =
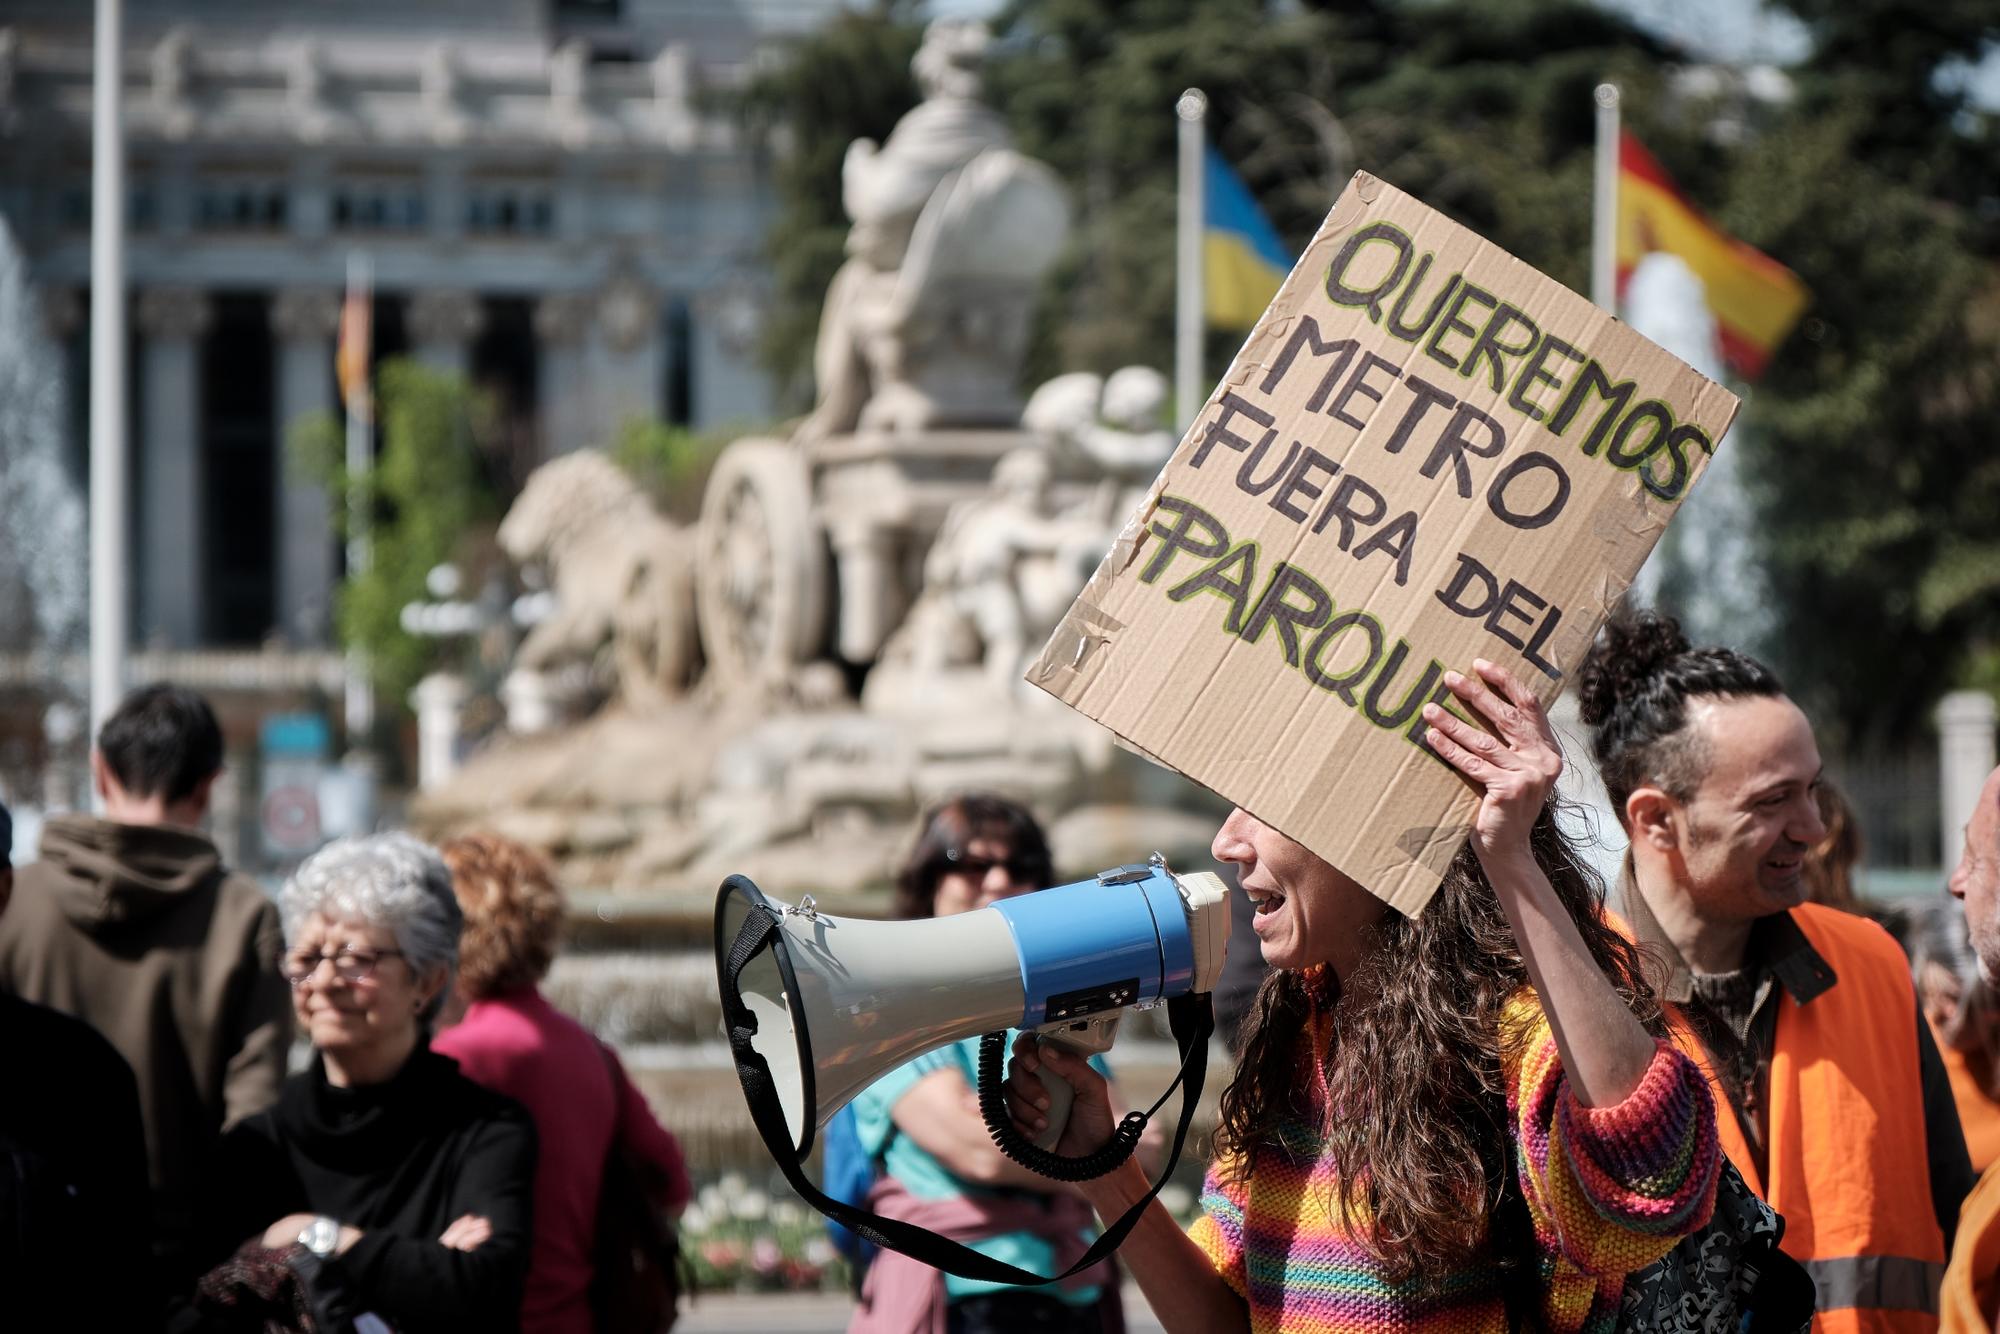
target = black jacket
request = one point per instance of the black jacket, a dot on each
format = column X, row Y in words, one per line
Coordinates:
column 401, row 1161
column 75, row 1221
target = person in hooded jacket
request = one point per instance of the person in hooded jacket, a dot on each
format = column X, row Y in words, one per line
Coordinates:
column 132, row 923
column 72, row 1168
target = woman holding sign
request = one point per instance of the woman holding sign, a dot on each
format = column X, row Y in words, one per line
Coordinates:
column 1467, row 1120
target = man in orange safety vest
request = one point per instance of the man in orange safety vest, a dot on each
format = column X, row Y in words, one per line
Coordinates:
column 1835, row 1105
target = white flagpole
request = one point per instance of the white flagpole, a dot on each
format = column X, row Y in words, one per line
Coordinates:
column 107, row 367
column 1188, row 275
column 1604, row 203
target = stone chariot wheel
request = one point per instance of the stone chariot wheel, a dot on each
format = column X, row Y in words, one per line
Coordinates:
column 761, row 577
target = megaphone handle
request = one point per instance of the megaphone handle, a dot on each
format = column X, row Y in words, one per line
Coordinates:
column 1060, row 1095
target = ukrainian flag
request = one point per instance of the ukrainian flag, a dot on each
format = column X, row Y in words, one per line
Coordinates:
column 1243, row 261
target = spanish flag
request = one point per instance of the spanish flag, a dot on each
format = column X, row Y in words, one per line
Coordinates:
column 1755, row 299
column 1242, row 259
column 350, row 357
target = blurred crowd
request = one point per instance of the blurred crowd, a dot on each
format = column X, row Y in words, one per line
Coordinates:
column 456, row 1154
column 459, row 1154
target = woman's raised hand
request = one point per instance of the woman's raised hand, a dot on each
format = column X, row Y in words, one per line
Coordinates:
column 1091, row 1120
column 1514, row 766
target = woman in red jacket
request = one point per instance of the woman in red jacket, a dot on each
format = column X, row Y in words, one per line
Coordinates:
column 512, row 1040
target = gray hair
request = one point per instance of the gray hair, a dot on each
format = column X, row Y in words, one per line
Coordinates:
column 392, row 881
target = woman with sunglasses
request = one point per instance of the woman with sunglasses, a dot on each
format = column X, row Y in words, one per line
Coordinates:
column 383, row 1182
column 937, row 1165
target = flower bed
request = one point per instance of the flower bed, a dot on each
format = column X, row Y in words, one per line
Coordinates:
column 741, row 1240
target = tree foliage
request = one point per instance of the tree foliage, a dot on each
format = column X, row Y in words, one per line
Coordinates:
column 670, row 463
column 427, row 496
column 1877, row 481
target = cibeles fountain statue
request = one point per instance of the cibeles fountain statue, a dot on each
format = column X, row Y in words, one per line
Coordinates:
column 925, row 324
column 867, row 587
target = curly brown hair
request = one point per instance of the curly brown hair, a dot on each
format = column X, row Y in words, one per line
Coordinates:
column 513, row 913
column 1415, row 1116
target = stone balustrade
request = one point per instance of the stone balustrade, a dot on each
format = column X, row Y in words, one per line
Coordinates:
column 181, row 91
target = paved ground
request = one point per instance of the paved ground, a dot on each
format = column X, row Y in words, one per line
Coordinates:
column 717, row 1313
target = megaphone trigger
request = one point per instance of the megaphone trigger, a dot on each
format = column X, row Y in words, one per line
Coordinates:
column 1061, row 1095
column 1084, row 1037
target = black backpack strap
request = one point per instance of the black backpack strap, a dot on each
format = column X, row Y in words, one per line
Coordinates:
column 1190, row 1017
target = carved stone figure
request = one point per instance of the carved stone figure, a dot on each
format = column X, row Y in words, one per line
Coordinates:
column 1114, row 424
column 926, row 323
column 1006, row 566
column 622, row 576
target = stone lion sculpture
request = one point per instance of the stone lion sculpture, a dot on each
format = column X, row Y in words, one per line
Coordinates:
column 622, row 576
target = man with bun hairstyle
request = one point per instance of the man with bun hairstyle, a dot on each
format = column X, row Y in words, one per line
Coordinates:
column 1840, row 1110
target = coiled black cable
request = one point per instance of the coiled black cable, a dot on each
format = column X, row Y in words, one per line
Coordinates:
column 1055, row 1166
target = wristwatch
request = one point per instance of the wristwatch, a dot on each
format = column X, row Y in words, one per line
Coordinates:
column 320, row 1236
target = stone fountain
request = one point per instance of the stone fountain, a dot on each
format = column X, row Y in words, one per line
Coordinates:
column 839, row 640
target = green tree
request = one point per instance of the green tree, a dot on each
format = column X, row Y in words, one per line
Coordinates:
column 1872, row 454
column 427, row 494
column 671, row 463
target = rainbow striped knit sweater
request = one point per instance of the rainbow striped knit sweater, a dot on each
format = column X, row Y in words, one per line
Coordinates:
column 1609, row 1190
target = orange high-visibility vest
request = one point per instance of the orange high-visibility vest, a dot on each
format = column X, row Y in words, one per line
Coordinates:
column 1846, row 1148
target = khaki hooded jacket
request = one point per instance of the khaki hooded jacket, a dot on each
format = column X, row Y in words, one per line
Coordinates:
column 142, row 933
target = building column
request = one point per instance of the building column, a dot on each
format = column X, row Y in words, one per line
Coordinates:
column 171, row 323
column 1965, row 721
column 561, row 320
column 625, row 354
column 304, row 321
column 725, row 383
column 442, row 325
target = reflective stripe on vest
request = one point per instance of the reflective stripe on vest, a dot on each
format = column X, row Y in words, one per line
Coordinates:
column 1877, row 1282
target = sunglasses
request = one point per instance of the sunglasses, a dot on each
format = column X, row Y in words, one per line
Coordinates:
column 348, row 965
column 1021, row 868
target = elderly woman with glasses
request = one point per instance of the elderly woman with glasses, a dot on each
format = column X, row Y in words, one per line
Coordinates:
column 383, row 1182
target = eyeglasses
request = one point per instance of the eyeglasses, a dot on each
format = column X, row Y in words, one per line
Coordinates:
column 349, row 965
column 1021, row 869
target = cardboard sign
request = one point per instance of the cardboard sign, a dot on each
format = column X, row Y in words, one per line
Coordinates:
column 1426, row 452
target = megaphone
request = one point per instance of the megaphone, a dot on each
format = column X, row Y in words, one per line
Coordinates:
column 834, row 1003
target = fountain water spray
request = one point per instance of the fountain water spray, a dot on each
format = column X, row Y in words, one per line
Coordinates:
column 44, row 553
column 44, row 539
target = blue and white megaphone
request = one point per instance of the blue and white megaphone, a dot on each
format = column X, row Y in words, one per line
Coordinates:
column 819, row 1007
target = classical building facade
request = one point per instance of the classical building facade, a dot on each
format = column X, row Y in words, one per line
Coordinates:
column 545, row 191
